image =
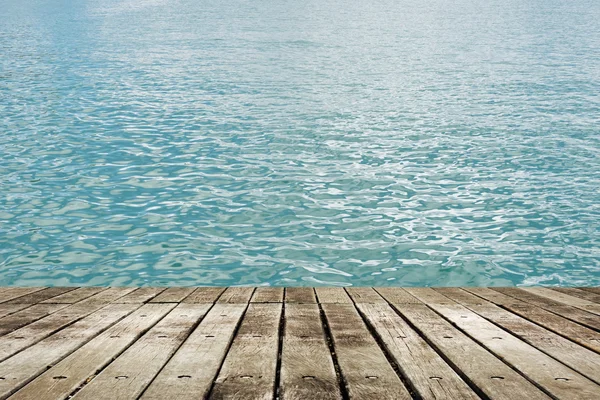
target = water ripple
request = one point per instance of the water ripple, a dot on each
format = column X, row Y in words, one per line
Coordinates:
column 290, row 143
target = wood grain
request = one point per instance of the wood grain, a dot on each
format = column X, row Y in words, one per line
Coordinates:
column 302, row 295
column 26, row 365
column 336, row 295
column 550, row 374
column 267, row 295
column 428, row 373
column 365, row 369
column 249, row 369
column 307, row 369
column 66, row 376
column 189, row 374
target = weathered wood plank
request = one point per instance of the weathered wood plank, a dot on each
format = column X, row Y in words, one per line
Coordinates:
column 396, row 295
column 550, row 374
column 302, row 295
column 494, row 378
column 41, row 295
column 424, row 368
column 249, row 369
column 267, row 295
column 565, row 298
column 554, row 322
column 570, row 312
column 336, row 295
column 8, row 309
column 28, row 335
column 236, row 295
column 582, row 294
column 66, row 376
column 429, row 296
column 365, row 369
column 189, row 374
column 141, row 295
column 27, row 316
column 76, row 295
column 15, row 292
column 173, row 295
column 591, row 289
column 26, row 365
column 364, row 295
column 569, row 353
column 132, row 372
column 204, row 295
column 307, row 369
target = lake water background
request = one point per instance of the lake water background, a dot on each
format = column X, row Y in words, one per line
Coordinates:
column 263, row 142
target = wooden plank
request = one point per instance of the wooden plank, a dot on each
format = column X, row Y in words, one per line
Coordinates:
column 173, row 295
column 66, row 376
column 132, row 372
column 567, row 352
column 556, row 323
column 189, row 374
column 397, row 295
column 307, row 369
column 76, row 295
column 28, row 335
column 336, row 295
column 249, row 369
column 591, row 289
column 41, row 295
column 8, row 309
column 566, row 299
column 15, row 292
column 582, row 294
column 26, row 365
column 27, row 316
column 236, row 295
column 141, row 295
column 548, row 373
column 429, row 296
column 424, row 368
column 364, row 367
column 267, row 295
column 572, row 313
column 493, row 377
column 203, row 295
column 365, row 295
column 302, row 295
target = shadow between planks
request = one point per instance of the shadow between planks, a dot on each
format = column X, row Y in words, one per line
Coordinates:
column 299, row 343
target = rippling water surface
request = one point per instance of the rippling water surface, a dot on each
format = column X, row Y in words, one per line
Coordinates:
column 264, row 142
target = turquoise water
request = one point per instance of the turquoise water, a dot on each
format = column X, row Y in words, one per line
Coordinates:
column 263, row 142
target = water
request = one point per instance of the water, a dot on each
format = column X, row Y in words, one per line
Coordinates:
column 280, row 142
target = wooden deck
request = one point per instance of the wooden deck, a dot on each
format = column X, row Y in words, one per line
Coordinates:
column 299, row 343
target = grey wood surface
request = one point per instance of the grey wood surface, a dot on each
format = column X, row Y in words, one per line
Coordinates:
column 553, row 376
column 307, row 369
column 191, row 371
column 250, row 367
column 364, row 366
column 128, row 375
column 299, row 343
